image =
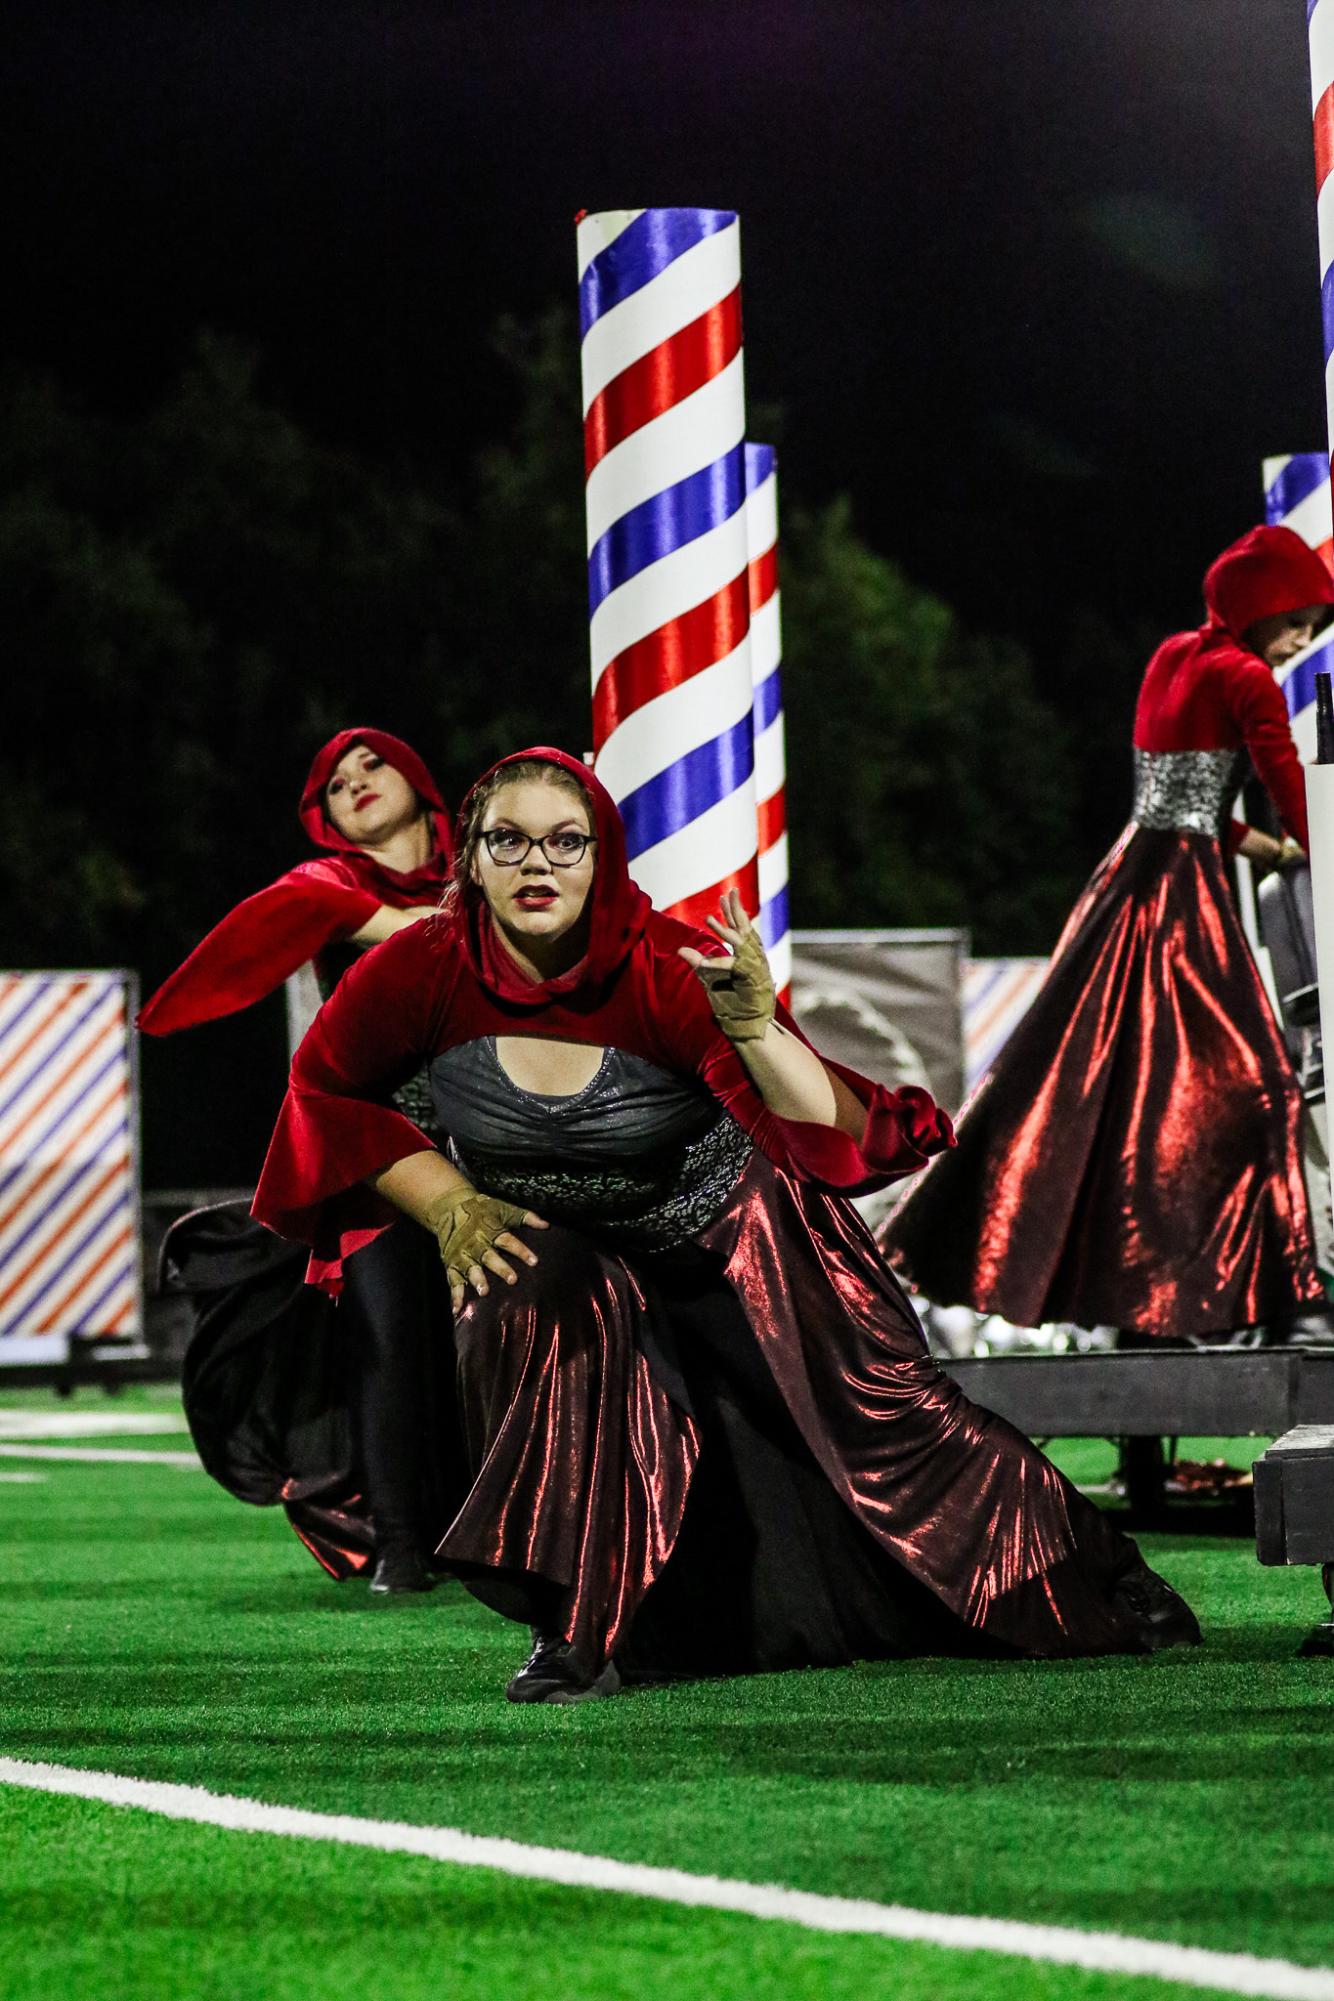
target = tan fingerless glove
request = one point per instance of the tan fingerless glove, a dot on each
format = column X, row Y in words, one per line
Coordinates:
column 741, row 990
column 465, row 1225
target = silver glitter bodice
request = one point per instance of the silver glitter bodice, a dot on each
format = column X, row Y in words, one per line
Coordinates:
column 651, row 1203
column 1188, row 791
column 414, row 1100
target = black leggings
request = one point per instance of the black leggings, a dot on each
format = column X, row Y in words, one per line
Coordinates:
column 393, row 1296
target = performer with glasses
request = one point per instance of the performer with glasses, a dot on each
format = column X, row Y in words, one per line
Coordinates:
column 289, row 1401
column 703, row 1431
column 565, row 848
column 1133, row 1159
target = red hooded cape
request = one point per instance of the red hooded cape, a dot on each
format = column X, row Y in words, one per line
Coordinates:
column 257, row 945
column 1206, row 690
column 448, row 981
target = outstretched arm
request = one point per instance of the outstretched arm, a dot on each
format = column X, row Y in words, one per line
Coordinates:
column 788, row 1074
column 383, row 923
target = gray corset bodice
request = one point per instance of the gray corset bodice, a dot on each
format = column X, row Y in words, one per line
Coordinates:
column 639, row 1156
column 1189, row 791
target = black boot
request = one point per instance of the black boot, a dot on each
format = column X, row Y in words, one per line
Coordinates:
column 1162, row 1614
column 398, row 1567
column 556, row 1672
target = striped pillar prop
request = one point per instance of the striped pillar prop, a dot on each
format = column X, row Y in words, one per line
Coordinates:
column 668, row 590
column 69, row 1197
column 1297, row 496
column 1320, row 34
column 766, row 652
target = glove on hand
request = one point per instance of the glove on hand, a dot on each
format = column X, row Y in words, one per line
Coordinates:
column 741, row 990
column 466, row 1226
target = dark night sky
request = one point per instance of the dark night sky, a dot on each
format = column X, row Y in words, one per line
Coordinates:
column 1036, row 282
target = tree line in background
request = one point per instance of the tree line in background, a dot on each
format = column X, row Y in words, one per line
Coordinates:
column 192, row 599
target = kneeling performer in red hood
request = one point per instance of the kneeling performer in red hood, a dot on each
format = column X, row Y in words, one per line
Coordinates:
column 358, row 1485
column 702, row 1427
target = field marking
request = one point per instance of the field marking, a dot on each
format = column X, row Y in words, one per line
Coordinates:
column 23, row 1479
column 1101, row 1952
column 99, row 1455
column 88, row 1423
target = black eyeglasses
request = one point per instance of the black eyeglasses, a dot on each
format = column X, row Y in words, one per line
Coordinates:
column 565, row 848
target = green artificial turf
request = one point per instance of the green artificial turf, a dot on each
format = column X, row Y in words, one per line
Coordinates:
column 115, row 1905
column 149, row 1625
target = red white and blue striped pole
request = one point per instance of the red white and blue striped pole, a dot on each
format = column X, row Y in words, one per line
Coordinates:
column 1320, row 33
column 766, row 652
column 668, row 559
column 1297, row 496
column 1320, row 774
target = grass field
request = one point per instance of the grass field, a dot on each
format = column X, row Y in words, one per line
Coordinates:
column 153, row 1627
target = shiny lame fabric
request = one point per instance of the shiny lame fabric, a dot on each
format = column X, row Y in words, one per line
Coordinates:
column 583, row 1457
column 1133, row 1159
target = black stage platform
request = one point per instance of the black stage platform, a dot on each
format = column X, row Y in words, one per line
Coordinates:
column 1172, row 1393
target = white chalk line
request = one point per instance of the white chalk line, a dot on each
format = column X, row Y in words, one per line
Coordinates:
column 27, row 1424
column 100, row 1455
column 1100, row 1952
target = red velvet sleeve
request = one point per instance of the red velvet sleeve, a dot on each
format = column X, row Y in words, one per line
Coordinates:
column 336, row 1126
column 1255, row 702
column 903, row 1128
column 256, row 947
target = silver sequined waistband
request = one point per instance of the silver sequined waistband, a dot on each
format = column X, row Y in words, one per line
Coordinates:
column 1189, row 791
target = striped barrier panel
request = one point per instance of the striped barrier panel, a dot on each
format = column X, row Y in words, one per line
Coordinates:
column 69, row 1168
column 1297, row 496
column 668, row 589
column 997, row 994
column 766, row 652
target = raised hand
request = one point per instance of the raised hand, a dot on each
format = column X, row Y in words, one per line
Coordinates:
column 740, row 988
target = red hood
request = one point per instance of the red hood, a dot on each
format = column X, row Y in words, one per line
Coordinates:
column 393, row 750
column 620, row 908
column 1268, row 570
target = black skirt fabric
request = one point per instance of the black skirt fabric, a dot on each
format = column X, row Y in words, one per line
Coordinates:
column 770, row 1569
column 317, row 1406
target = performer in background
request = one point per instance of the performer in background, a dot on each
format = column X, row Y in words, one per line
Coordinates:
column 702, row 1427
column 373, row 807
column 1133, row 1158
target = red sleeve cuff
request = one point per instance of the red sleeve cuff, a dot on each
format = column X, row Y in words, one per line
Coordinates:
column 254, row 949
column 903, row 1130
column 314, row 1184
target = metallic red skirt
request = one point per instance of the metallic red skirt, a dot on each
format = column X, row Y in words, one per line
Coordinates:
column 588, row 1441
column 1133, row 1158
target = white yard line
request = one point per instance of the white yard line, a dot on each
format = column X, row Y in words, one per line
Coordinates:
column 126, row 1455
column 1103, row 1952
column 88, row 1423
